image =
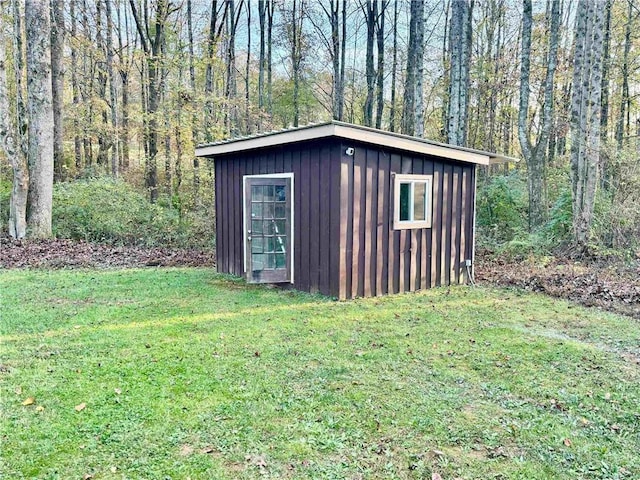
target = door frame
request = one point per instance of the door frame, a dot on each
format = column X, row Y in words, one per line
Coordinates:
column 288, row 175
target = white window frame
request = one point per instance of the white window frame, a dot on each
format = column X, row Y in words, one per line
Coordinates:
column 412, row 180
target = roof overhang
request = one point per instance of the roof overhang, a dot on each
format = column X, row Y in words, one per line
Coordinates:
column 352, row 132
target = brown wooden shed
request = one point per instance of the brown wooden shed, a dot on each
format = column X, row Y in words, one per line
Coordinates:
column 345, row 210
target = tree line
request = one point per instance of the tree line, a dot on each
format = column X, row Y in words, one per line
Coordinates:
column 129, row 87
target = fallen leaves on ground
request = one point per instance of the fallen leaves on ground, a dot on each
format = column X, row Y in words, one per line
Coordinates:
column 80, row 407
column 64, row 253
column 612, row 287
column 28, row 401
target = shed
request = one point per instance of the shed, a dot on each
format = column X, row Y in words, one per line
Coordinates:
column 345, row 210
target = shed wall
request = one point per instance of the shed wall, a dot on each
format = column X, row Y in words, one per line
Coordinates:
column 316, row 203
column 375, row 259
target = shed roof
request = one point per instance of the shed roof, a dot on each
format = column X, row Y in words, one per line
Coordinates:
column 349, row 131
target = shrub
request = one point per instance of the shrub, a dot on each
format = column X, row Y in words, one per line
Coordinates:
column 502, row 209
column 107, row 210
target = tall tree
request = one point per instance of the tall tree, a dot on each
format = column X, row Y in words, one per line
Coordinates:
column 40, row 115
column 535, row 152
column 460, row 35
column 57, row 77
column 585, row 117
column 113, row 94
column 195, row 117
column 623, row 116
column 414, row 60
column 380, row 63
column 370, row 8
column 152, row 39
column 13, row 121
column 394, row 69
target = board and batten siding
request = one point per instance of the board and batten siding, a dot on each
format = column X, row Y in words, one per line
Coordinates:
column 316, row 203
column 344, row 242
column 375, row 259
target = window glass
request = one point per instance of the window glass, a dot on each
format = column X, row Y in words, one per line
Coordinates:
column 267, row 210
column 268, row 193
column 281, row 194
column 256, row 209
column 256, row 226
column 419, row 201
column 405, row 191
column 256, row 193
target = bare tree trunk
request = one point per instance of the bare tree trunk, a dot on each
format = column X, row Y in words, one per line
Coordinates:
column 460, row 47
column 371, row 12
column 419, row 121
column 394, row 69
column 270, row 10
column 380, row 70
column 535, row 154
column 409, row 103
column 195, row 120
column 262, row 18
column 247, row 116
column 40, row 114
column 11, row 138
column 112, row 92
column 77, row 141
column 585, row 117
column 57, row 77
column 152, row 47
column 624, row 100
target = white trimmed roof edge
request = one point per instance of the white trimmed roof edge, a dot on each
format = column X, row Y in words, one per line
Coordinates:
column 350, row 131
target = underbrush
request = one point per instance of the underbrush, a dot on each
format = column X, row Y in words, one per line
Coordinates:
column 115, row 212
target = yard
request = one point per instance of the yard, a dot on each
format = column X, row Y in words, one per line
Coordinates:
column 183, row 373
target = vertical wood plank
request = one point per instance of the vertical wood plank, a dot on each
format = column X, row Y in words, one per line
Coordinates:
column 394, row 235
column 445, row 227
column 359, row 163
column 305, row 187
column 455, row 212
column 314, row 206
column 337, row 244
column 436, row 229
column 346, row 219
column 298, row 213
column 238, row 245
column 463, row 223
column 370, row 222
column 218, row 175
column 382, row 236
column 324, row 219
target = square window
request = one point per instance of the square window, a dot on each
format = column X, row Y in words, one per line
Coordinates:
column 412, row 201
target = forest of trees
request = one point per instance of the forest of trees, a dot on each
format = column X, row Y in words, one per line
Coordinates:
column 127, row 88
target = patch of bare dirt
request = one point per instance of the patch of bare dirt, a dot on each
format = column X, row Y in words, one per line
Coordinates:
column 611, row 287
column 75, row 254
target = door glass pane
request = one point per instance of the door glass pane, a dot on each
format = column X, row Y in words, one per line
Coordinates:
column 281, row 210
column 268, row 193
column 281, row 244
column 268, row 210
column 256, row 209
column 256, row 193
column 281, row 195
column 258, row 261
column 257, row 245
column 405, row 189
column 271, row 260
column 280, row 226
column 256, row 226
column 419, row 200
column 281, row 260
column 268, row 244
column 268, row 227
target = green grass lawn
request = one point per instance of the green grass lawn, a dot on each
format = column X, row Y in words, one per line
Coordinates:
column 184, row 373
